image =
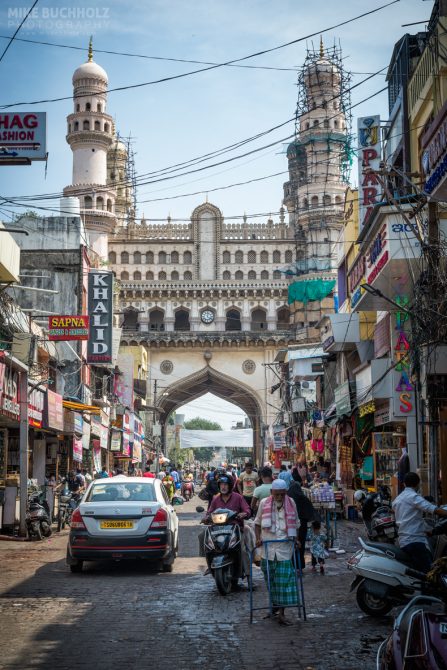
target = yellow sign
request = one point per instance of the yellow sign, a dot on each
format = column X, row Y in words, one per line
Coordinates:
column 367, row 408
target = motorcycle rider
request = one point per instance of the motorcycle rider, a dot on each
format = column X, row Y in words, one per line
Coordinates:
column 409, row 507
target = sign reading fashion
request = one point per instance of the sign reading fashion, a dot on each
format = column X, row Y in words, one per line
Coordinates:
column 100, row 307
column 67, row 328
column 369, row 162
column 23, row 135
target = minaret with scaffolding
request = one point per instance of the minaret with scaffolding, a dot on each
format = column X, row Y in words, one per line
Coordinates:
column 122, row 177
column 319, row 161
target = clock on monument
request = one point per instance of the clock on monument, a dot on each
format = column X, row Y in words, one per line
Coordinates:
column 207, row 316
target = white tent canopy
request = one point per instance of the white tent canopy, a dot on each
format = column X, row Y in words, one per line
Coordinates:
column 194, row 439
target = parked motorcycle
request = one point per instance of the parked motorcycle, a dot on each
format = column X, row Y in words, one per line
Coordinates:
column 385, row 576
column 38, row 521
column 67, row 504
column 378, row 515
column 223, row 549
column 187, row 489
column 419, row 636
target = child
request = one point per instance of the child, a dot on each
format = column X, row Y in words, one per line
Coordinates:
column 317, row 546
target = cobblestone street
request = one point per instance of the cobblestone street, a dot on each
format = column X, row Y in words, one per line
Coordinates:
column 126, row 616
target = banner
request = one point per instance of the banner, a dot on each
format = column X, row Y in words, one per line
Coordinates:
column 234, row 439
column 55, row 411
column 65, row 328
column 77, row 449
column 124, row 380
column 100, row 309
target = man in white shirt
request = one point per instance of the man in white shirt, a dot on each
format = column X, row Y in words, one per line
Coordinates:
column 409, row 507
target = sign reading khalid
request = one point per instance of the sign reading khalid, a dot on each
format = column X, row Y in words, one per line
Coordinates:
column 100, row 308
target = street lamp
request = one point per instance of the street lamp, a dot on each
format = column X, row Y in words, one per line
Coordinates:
column 376, row 292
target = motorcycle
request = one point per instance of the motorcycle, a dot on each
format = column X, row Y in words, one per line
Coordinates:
column 378, row 516
column 67, row 504
column 38, row 521
column 419, row 636
column 187, row 489
column 223, row 549
column 385, row 576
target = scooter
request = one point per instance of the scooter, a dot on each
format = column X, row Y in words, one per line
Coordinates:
column 38, row 522
column 223, row 549
column 67, row 504
column 385, row 576
column 378, row 516
column 187, row 489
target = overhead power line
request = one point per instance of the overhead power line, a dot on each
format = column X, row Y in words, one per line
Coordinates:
column 210, row 67
column 13, row 37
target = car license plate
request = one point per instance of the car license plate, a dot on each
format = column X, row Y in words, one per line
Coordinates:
column 116, row 524
column 443, row 628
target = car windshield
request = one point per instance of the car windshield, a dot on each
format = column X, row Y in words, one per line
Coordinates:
column 128, row 492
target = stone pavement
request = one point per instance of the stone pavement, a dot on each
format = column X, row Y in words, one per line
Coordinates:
column 125, row 616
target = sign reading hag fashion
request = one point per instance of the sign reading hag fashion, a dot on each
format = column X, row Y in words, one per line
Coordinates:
column 100, row 308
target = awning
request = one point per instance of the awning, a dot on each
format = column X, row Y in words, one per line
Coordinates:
column 81, row 407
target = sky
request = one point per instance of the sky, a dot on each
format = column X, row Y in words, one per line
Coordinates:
column 213, row 408
column 177, row 120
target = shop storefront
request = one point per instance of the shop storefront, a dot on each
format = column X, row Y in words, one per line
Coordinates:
column 9, row 444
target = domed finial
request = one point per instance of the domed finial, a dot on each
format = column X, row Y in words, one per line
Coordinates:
column 90, row 50
column 321, row 47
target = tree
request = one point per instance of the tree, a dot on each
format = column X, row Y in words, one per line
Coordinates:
column 202, row 454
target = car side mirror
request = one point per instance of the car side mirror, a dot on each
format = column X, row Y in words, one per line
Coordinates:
column 200, row 509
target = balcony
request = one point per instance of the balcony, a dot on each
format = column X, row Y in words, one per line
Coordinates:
column 205, row 337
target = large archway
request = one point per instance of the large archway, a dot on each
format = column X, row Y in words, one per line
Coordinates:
column 210, row 380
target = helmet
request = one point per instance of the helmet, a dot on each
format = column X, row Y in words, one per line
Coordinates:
column 359, row 496
column 225, row 479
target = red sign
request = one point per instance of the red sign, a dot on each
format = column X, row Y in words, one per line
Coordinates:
column 67, row 328
column 36, row 402
column 9, row 392
column 55, row 411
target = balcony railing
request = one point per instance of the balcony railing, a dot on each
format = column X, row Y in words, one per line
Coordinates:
column 203, row 334
column 426, row 68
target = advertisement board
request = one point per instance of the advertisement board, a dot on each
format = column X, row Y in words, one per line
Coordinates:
column 100, row 309
column 23, row 135
column 55, row 411
column 369, row 157
column 65, row 328
column 36, row 404
column 9, row 392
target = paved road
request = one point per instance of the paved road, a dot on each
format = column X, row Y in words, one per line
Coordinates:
column 124, row 616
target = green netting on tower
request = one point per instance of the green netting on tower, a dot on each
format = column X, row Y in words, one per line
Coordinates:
column 314, row 289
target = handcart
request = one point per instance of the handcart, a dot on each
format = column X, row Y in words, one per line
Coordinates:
column 301, row 607
column 328, row 514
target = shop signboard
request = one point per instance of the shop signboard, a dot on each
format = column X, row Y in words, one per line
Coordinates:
column 97, row 458
column 103, row 437
column 23, row 135
column 9, row 392
column 404, row 399
column 78, row 422
column 369, row 158
column 367, row 408
column 96, row 425
column 434, row 154
column 55, row 411
column 100, row 309
column 77, row 449
column 115, row 440
column 279, row 437
column 342, row 397
column 377, row 255
column 124, row 380
column 67, row 328
column 36, row 405
column 86, row 432
column 73, row 422
column 382, row 415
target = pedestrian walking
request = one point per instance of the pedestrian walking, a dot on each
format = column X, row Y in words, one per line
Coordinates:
column 247, row 482
column 285, row 475
column 263, row 490
column 318, row 541
column 277, row 519
column 306, row 513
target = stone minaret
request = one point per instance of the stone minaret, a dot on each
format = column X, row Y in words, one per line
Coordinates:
column 89, row 134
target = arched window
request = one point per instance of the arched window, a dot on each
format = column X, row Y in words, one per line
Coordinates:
column 316, row 123
column 156, row 318
column 187, row 275
column 226, row 257
column 69, row 127
column 187, row 258
column 130, row 321
column 99, row 202
column 162, row 257
column 149, row 275
column 124, row 276
column 76, row 125
column 305, row 203
column 338, row 199
column 276, row 274
column 258, row 319
column 226, row 275
column 162, row 275
column 238, row 257
column 288, row 256
column 98, row 107
column 106, row 127
column 97, row 125
column 283, row 318
column 264, row 274
column 335, row 123
column 88, row 107
column 174, row 257
column 182, row 320
column 86, row 125
column 137, row 275
column 149, row 257
column 239, row 275
column 326, row 123
column 124, row 257
column 88, row 202
column 109, row 205
column 307, row 125
column 233, row 321
column 277, row 256
column 326, row 200
column 174, row 275
column 137, row 257
column 314, row 201
column 251, row 257
column 252, row 274
column 112, row 257
column 78, row 107
column 264, row 256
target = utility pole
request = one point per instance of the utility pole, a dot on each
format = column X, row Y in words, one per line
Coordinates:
column 23, row 449
column 157, row 436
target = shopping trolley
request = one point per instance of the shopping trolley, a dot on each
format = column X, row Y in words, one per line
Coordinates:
column 301, row 607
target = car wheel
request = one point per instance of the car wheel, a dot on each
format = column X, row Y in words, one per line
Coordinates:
column 168, row 567
column 371, row 604
column 77, row 567
column 60, row 521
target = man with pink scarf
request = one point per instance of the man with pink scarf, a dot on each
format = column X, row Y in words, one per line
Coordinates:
column 277, row 519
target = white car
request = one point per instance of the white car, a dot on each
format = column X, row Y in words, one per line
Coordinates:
column 123, row 518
